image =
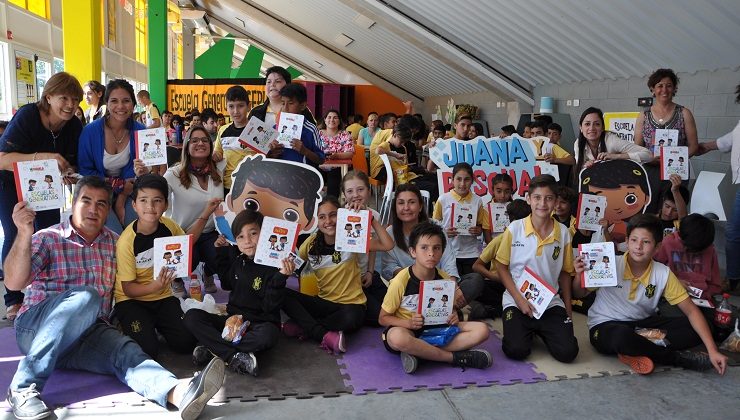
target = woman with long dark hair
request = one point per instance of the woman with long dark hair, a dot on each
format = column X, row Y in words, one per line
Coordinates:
column 94, row 93
column 594, row 143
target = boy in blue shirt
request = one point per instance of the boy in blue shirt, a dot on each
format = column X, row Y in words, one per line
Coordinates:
column 307, row 149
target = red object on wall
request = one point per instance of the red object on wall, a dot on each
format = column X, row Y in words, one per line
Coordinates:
column 9, row 35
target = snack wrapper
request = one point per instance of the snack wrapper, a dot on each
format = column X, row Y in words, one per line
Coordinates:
column 655, row 335
column 234, row 329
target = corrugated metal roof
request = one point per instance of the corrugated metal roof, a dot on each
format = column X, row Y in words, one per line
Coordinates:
column 438, row 48
column 546, row 42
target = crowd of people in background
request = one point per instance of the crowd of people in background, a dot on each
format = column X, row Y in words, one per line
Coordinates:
column 120, row 206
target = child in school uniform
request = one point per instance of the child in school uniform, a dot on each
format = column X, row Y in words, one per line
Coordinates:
column 306, row 149
column 144, row 300
column 404, row 324
column 541, row 244
column 673, row 205
column 465, row 244
column 493, row 291
column 617, row 311
column 256, row 293
column 691, row 256
column 340, row 304
column 237, row 103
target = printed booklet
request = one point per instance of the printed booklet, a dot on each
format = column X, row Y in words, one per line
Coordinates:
column 39, row 182
column 537, row 291
column 353, row 231
column 173, row 252
column 277, row 240
column 151, row 146
column 600, row 259
column 664, row 138
column 463, row 217
column 591, row 209
column 499, row 220
column 257, row 136
column 674, row 160
column 290, row 126
column 436, row 299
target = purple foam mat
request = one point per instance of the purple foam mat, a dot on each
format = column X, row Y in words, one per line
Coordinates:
column 89, row 388
column 371, row 368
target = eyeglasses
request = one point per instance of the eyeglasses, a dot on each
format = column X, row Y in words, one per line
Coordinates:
column 194, row 140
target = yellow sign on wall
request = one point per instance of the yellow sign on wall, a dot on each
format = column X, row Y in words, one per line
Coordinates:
column 25, row 76
column 184, row 95
column 621, row 124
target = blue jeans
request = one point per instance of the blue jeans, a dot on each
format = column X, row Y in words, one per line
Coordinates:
column 44, row 219
column 64, row 332
column 732, row 241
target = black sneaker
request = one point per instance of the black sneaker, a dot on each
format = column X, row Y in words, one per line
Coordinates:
column 409, row 363
column 693, row 360
column 492, row 311
column 201, row 389
column 27, row 404
column 201, row 355
column 476, row 358
column 244, row 363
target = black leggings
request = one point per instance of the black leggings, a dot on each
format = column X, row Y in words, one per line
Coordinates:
column 317, row 316
column 619, row 337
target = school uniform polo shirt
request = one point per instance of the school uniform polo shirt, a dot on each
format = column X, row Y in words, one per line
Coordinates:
column 489, row 252
column 522, row 247
column 337, row 273
column 465, row 246
column 635, row 298
column 402, row 298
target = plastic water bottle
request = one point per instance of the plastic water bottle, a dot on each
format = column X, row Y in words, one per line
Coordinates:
column 196, row 288
column 723, row 318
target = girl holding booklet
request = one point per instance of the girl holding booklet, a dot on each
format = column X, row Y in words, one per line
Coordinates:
column 43, row 130
column 340, row 304
column 356, row 190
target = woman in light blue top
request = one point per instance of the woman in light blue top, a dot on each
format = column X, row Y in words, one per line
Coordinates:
column 366, row 134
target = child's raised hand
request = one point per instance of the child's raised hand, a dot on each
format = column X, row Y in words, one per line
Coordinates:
column 579, row 264
column 221, row 241
column 604, row 223
column 165, row 277
column 453, row 319
column 675, row 182
column 451, row 232
column 139, row 167
column 475, row 230
column 355, row 205
column 416, row 321
column 297, row 145
column 288, row 266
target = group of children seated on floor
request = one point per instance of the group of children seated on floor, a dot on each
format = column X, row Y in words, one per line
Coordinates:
column 350, row 293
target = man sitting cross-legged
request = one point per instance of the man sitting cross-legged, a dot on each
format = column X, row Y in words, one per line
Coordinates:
column 71, row 270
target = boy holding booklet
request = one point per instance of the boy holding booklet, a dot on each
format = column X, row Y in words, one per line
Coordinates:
column 542, row 245
column 256, row 293
column 399, row 312
column 144, row 301
column 617, row 311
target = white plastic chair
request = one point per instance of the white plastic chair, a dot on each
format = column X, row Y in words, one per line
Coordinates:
column 426, row 197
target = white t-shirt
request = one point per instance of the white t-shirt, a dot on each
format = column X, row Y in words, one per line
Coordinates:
column 186, row 205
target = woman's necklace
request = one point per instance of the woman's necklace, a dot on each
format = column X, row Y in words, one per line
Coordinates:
column 119, row 139
column 666, row 115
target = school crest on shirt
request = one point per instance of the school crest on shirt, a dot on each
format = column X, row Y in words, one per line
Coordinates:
column 556, row 253
column 650, row 291
column 257, row 283
column 336, row 257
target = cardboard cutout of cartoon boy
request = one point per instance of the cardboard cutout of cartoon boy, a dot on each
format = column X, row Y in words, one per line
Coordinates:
column 277, row 188
column 625, row 185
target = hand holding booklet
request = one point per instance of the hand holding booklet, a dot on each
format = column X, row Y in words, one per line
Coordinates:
column 257, row 136
column 277, row 240
column 499, row 219
column 353, row 231
column 173, row 252
column 536, row 291
column 289, row 127
column 591, row 209
column 39, row 183
column 436, row 301
column 463, row 217
column 151, row 146
column 674, row 160
column 600, row 260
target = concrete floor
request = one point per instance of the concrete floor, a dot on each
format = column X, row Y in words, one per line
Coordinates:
column 666, row 395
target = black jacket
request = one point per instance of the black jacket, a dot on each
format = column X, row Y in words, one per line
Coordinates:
column 257, row 291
